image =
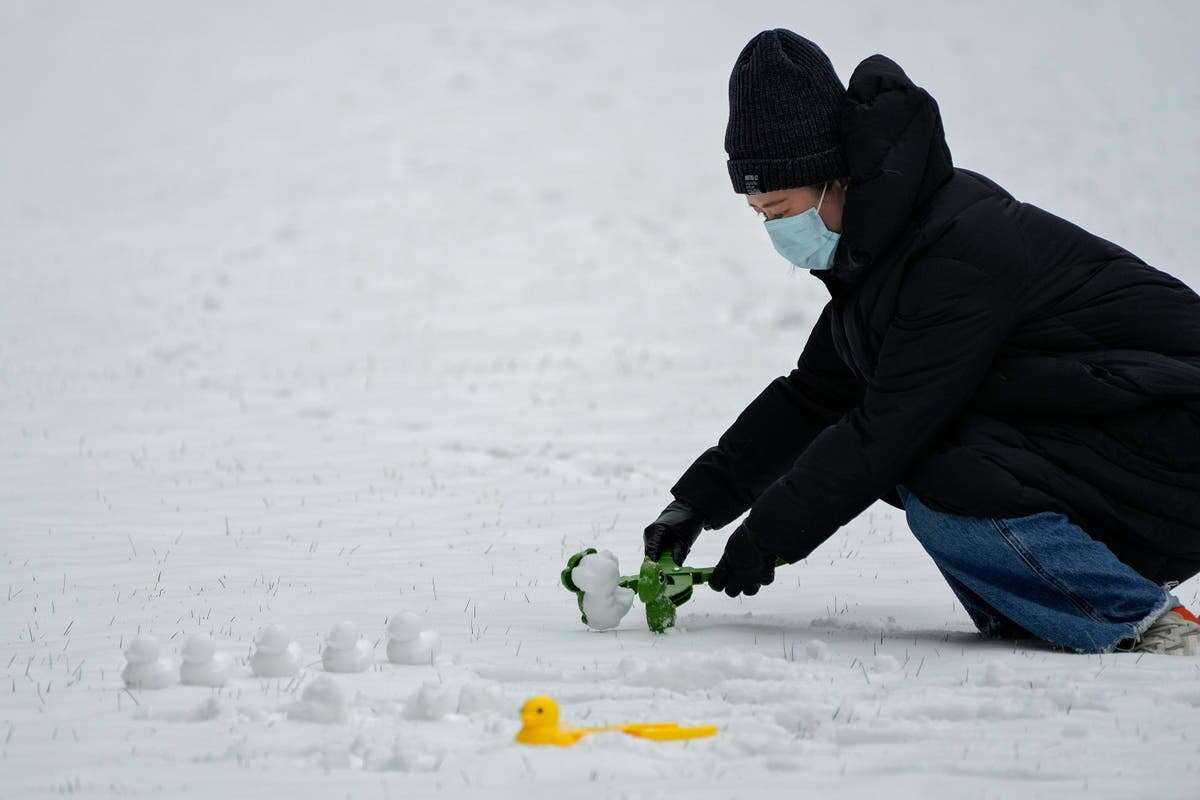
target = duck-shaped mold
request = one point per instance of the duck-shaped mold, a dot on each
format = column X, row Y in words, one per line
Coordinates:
column 539, row 724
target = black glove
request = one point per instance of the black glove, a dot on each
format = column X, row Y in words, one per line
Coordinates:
column 743, row 569
column 673, row 532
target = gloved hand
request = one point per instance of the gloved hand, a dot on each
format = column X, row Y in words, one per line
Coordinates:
column 673, row 532
column 743, row 568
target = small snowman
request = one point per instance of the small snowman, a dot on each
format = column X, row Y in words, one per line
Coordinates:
column 144, row 669
column 275, row 654
column 605, row 601
column 202, row 664
column 345, row 650
column 408, row 644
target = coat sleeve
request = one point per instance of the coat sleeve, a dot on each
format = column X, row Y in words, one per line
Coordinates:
column 950, row 319
column 771, row 432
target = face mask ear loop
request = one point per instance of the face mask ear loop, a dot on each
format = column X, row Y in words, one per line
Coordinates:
column 822, row 197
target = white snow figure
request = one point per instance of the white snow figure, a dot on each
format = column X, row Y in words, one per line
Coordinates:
column 345, row 650
column 144, row 669
column 202, row 664
column 408, row 644
column 604, row 602
column 275, row 654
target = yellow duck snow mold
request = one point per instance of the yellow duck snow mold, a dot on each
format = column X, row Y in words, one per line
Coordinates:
column 540, row 726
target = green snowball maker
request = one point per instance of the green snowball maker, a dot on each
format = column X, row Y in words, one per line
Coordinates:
column 662, row 586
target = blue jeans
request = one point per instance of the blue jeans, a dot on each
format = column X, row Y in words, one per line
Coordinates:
column 1038, row 576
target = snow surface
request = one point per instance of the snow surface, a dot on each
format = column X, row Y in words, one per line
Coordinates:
column 311, row 312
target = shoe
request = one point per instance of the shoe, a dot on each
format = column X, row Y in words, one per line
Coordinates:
column 1175, row 633
column 1183, row 612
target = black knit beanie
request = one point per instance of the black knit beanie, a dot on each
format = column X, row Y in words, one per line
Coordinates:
column 784, row 103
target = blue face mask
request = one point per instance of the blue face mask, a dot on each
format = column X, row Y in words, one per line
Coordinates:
column 803, row 239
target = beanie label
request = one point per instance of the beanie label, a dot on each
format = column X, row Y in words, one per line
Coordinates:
column 751, row 184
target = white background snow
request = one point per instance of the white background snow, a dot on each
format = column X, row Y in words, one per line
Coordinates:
column 314, row 312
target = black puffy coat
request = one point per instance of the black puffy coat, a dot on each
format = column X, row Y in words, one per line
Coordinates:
column 992, row 357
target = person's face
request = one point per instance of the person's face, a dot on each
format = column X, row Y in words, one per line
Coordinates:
column 787, row 202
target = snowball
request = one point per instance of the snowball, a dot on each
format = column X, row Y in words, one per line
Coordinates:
column 422, row 649
column 604, row 601
column 273, row 640
column 597, row 572
column 144, row 669
column 142, row 650
column 405, row 626
column 199, row 649
column 343, row 636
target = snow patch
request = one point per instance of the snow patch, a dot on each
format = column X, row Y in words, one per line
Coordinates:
column 816, row 650
column 432, row 701
column 412, row 754
column 322, row 701
column 880, row 624
column 478, row 698
column 702, row 670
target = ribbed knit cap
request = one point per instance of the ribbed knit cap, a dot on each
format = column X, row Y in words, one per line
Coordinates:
column 784, row 105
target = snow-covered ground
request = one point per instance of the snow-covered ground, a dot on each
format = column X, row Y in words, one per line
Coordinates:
column 321, row 312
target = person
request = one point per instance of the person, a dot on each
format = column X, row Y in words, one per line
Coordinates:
column 1027, row 392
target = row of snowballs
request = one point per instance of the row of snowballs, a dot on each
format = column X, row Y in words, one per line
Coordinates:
column 276, row 654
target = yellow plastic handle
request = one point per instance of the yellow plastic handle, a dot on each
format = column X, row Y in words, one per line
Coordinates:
column 667, row 731
column 658, row 731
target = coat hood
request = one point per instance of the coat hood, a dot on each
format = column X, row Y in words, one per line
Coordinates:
column 896, row 156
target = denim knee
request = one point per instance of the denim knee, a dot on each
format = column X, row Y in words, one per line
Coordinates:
column 921, row 519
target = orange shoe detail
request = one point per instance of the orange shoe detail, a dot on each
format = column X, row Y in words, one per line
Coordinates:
column 1183, row 612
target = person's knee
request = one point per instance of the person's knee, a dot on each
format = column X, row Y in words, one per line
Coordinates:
column 921, row 519
column 941, row 534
